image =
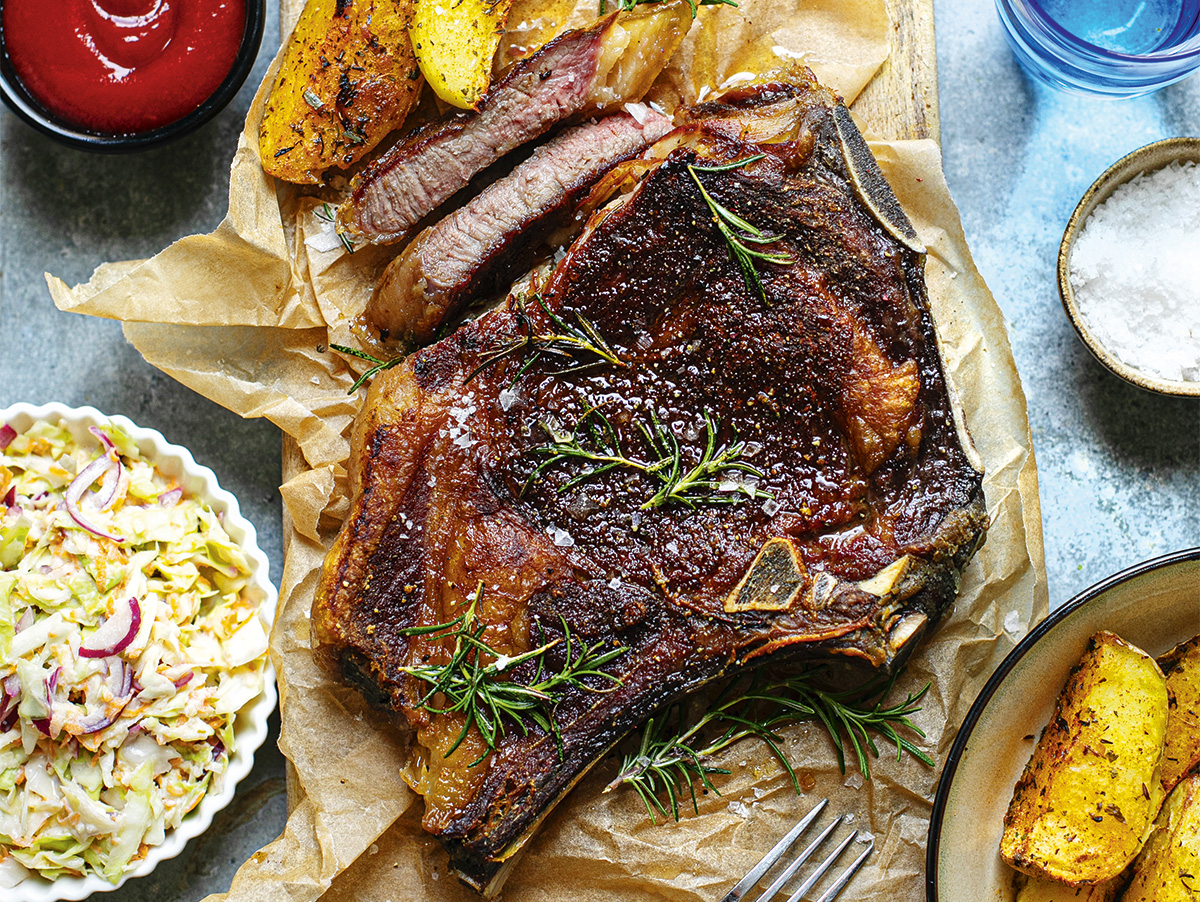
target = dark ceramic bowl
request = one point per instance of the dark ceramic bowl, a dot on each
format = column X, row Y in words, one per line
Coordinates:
column 28, row 108
column 1150, row 158
column 1155, row 605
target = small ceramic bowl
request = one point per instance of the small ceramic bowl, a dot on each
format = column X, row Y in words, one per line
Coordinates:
column 250, row 727
column 1155, row 605
column 1147, row 159
column 31, row 110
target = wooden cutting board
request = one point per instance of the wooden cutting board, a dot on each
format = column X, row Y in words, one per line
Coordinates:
column 902, row 100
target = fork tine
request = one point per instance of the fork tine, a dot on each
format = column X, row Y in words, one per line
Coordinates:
column 756, row 872
column 822, row 868
column 840, row 884
column 777, row 885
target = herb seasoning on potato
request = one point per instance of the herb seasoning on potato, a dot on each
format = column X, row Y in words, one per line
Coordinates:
column 1182, row 753
column 1089, row 795
column 348, row 78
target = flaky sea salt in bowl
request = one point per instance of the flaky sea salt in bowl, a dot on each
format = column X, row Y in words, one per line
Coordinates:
column 1129, row 267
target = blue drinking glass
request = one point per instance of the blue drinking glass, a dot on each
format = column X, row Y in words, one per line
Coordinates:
column 1116, row 48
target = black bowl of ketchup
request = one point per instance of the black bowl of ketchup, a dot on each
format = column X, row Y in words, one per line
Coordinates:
column 122, row 75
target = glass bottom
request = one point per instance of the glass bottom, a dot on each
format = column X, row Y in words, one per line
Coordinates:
column 1070, row 65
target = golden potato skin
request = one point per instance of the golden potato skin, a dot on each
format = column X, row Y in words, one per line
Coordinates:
column 1182, row 754
column 347, row 79
column 1034, row 889
column 1088, row 796
column 1168, row 869
column 455, row 42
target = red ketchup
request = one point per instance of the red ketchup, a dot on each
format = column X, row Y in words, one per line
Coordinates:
column 122, row 65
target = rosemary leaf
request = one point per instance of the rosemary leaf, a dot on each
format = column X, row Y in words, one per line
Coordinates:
column 627, row 5
column 594, row 441
column 380, row 365
column 673, row 751
column 325, row 214
column 472, row 682
column 564, row 339
column 737, row 231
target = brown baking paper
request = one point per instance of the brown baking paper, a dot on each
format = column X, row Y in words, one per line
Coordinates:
column 245, row 317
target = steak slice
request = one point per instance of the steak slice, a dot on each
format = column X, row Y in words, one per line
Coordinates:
column 479, row 248
column 580, row 71
column 848, row 542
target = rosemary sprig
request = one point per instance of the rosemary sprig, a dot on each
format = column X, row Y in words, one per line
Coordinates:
column 601, row 448
column 473, row 682
column 569, row 340
column 699, row 484
column 379, row 367
column 325, row 214
column 737, row 231
column 628, row 5
column 673, row 753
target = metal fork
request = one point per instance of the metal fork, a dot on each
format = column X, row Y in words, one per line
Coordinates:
column 756, row 873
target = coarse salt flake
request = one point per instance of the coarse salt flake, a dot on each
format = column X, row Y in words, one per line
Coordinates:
column 1135, row 272
column 1012, row 623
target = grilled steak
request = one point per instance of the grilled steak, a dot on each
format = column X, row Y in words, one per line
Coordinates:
column 769, row 469
column 573, row 74
column 478, row 249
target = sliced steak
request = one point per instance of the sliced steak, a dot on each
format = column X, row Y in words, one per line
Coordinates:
column 479, row 248
column 581, row 71
column 464, row 499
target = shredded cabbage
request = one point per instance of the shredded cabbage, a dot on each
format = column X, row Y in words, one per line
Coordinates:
column 100, row 756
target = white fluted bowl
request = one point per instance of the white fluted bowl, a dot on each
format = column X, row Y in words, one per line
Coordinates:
column 250, row 726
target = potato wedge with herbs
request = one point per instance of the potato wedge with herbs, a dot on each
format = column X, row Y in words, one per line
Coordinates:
column 1181, row 665
column 1168, row 869
column 1034, row 889
column 1088, row 796
column 348, row 78
column 455, row 41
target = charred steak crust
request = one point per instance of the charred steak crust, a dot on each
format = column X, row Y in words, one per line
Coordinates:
column 835, row 380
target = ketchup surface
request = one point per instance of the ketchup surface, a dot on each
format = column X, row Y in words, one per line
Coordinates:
column 122, row 65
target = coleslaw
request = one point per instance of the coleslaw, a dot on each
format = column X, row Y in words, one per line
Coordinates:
column 129, row 639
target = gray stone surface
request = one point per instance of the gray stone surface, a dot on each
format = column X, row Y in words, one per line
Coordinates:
column 1120, row 468
column 65, row 211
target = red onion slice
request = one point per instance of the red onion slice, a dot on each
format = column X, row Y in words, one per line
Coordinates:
column 24, row 623
column 171, row 497
column 79, row 485
column 93, row 723
column 109, row 448
column 10, row 497
column 183, row 680
column 42, row 723
column 110, row 488
column 7, row 434
column 120, row 679
column 115, row 633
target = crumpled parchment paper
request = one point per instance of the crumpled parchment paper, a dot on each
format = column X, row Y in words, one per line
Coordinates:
column 245, row 316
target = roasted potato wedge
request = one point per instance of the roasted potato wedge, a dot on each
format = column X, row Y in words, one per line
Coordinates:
column 1088, row 796
column 347, row 79
column 454, row 44
column 1181, row 665
column 1034, row 889
column 1168, row 869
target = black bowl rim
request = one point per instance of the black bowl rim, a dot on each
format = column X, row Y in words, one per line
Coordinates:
column 26, row 107
column 933, row 838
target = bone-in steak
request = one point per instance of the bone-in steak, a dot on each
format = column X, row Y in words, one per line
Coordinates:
column 842, row 533
column 476, row 250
